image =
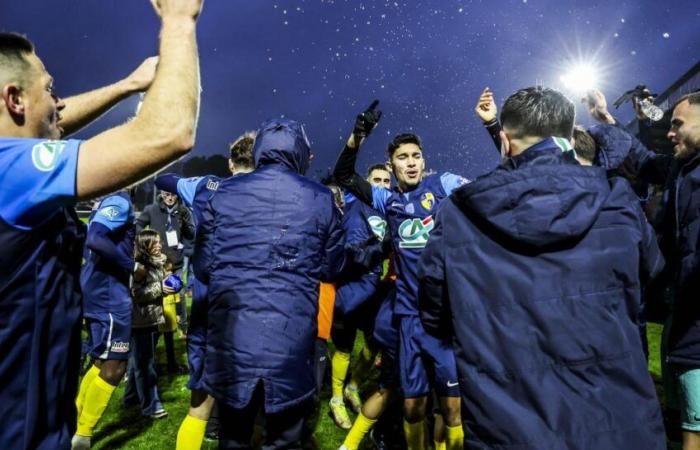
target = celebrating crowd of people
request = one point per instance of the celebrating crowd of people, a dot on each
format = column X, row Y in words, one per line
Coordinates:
column 507, row 312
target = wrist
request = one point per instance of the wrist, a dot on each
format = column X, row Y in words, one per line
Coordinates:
column 180, row 23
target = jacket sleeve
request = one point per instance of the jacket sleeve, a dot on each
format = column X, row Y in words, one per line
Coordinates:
column 651, row 261
column 651, row 167
column 433, row 303
column 100, row 242
column 334, row 248
column 494, row 130
column 344, row 172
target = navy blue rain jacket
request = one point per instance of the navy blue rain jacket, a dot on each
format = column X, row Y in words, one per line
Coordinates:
column 365, row 229
column 269, row 239
column 534, row 270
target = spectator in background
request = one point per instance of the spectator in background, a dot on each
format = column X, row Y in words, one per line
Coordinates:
column 173, row 222
column 147, row 292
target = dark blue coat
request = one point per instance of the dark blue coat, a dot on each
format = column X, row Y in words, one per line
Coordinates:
column 269, row 238
column 365, row 229
column 536, row 269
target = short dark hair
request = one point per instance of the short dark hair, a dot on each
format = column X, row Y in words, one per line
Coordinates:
column 399, row 140
column 584, row 144
column 241, row 150
column 539, row 111
column 377, row 166
column 14, row 49
column 693, row 98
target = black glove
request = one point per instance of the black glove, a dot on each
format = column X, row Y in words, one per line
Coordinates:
column 366, row 121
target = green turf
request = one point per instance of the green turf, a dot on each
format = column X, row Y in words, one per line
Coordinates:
column 125, row 428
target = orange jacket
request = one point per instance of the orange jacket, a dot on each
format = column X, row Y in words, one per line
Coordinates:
column 326, row 304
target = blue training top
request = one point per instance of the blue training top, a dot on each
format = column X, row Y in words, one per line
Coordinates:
column 41, row 239
column 110, row 256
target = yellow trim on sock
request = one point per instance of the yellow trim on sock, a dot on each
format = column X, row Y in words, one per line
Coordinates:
column 454, row 437
column 358, row 431
column 191, row 433
column 415, row 435
column 85, row 383
column 96, row 399
column 339, row 370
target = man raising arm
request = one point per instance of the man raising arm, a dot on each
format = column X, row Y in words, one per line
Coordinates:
column 42, row 236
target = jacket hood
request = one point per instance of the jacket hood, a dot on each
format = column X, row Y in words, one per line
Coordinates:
column 539, row 198
column 282, row 141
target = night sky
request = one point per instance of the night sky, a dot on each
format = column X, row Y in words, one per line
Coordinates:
column 322, row 62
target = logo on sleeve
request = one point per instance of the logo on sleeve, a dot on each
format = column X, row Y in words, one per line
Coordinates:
column 212, row 185
column 414, row 233
column 46, row 154
column 110, row 212
column 378, row 226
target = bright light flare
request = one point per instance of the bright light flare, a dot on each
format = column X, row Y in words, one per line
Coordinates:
column 580, row 78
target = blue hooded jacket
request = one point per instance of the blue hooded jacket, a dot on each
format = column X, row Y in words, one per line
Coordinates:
column 534, row 272
column 270, row 237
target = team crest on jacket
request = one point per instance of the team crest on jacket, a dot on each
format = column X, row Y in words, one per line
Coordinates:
column 427, row 201
column 414, row 233
column 378, row 226
column 110, row 212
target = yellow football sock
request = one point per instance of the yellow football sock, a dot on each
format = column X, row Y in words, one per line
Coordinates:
column 96, row 399
column 191, row 433
column 362, row 367
column 339, row 370
column 89, row 376
column 415, row 435
column 440, row 445
column 358, row 431
column 454, row 437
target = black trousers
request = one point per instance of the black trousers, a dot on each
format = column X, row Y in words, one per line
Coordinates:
column 282, row 430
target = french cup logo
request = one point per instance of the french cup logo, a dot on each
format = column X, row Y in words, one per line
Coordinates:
column 414, row 233
column 46, row 154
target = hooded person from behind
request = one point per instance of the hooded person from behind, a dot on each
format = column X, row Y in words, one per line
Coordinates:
column 533, row 271
column 270, row 237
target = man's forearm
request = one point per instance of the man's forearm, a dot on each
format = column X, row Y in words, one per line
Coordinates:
column 84, row 108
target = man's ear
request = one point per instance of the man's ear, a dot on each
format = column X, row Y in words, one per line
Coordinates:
column 388, row 166
column 14, row 101
column 505, row 144
column 231, row 166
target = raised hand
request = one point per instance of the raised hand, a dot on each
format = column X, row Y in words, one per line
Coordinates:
column 367, row 121
column 178, row 8
column 486, row 106
column 598, row 106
